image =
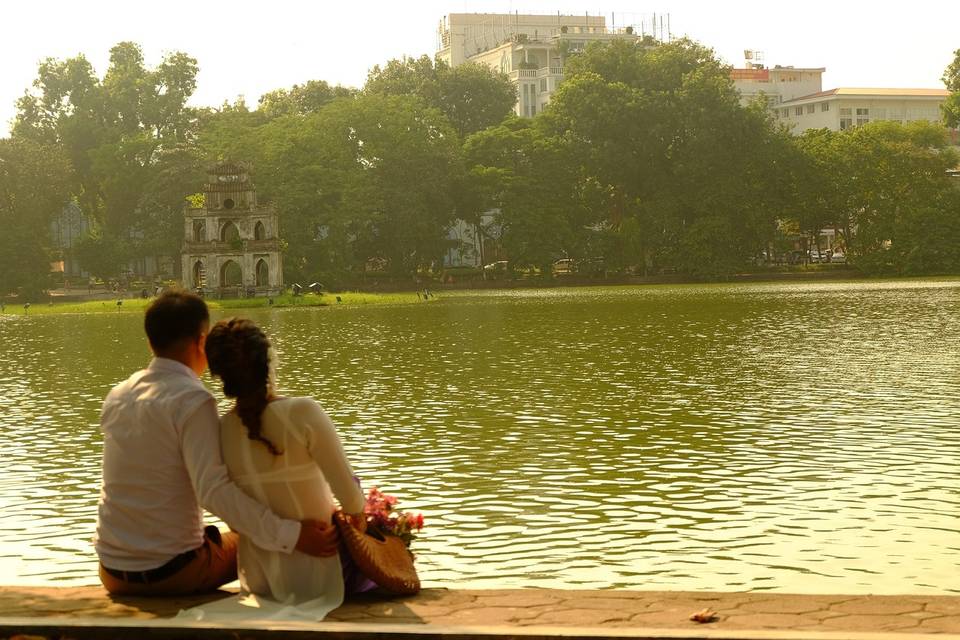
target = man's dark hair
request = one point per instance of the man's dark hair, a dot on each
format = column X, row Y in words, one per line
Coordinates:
column 175, row 316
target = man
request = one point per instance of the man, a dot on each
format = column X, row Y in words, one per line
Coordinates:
column 162, row 463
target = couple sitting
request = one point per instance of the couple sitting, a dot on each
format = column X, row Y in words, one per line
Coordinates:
column 269, row 468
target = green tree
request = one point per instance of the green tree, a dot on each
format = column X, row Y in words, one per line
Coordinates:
column 405, row 157
column 885, row 185
column 361, row 178
column 898, row 175
column 680, row 175
column 951, row 106
column 301, row 99
column 103, row 255
column 114, row 130
column 230, row 132
column 531, row 179
column 34, row 187
column 472, row 96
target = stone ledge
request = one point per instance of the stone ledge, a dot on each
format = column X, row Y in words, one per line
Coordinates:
column 96, row 629
column 521, row 612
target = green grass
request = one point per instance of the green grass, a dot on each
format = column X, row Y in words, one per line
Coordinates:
column 137, row 305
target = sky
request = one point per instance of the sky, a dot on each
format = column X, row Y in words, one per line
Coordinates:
column 248, row 48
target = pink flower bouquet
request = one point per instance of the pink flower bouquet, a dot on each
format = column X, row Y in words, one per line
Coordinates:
column 383, row 515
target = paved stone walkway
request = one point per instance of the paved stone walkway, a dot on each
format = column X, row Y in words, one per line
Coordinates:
column 516, row 608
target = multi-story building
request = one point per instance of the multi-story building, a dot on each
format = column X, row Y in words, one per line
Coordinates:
column 779, row 84
column 531, row 49
column 230, row 243
column 845, row 107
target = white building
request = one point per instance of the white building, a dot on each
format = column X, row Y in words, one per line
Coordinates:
column 779, row 84
column 231, row 244
column 531, row 49
column 845, row 107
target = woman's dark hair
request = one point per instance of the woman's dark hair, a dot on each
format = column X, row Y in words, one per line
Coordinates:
column 238, row 352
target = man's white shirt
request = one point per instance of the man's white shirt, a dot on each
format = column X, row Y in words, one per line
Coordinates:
column 161, row 464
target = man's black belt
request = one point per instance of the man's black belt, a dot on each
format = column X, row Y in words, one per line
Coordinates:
column 154, row 575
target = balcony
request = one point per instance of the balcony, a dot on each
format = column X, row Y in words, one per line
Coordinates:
column 533, row 74
column 523, row 74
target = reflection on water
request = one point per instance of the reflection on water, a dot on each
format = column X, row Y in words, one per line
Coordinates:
column 788, row 437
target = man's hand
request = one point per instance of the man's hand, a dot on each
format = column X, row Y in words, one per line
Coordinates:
column 318, row 538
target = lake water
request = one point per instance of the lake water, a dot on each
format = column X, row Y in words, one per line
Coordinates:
column 789, row 437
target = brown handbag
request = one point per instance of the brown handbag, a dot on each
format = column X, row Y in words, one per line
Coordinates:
column 383, row 558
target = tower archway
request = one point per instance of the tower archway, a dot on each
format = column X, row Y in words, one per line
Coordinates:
column 231, row 274
column 199, row 275
column 263, row 273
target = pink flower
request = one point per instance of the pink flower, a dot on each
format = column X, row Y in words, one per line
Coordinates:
column 380, row 512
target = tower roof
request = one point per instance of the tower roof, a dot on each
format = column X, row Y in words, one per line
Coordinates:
column 227, row 168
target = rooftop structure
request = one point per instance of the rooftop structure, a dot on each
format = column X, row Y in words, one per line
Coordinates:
column 779, row 84
column 532, row 49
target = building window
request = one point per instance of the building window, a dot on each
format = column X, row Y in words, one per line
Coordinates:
column 798, row 111
column 863, row 112
column 229, row 233
column 543, row 85
column 786, row 113
column 845, row 123
column 811, row 108
column 846, row 111
column 824, row 106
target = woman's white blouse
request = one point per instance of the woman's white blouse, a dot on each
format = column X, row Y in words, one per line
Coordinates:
column 298, row 484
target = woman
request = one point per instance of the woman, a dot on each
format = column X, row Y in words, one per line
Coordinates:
column 285, row 453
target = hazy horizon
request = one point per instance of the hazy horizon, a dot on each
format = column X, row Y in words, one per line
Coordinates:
column 247, row 49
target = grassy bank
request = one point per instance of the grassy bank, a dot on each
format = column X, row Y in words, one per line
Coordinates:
column 357, row 298
column 137, row 305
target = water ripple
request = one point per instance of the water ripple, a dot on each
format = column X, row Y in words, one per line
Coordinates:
column 795, row 437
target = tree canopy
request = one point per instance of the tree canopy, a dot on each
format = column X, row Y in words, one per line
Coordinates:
column 644, row 161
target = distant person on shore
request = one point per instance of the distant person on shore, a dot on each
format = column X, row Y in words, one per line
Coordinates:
column 162, row 463
column 286, row 452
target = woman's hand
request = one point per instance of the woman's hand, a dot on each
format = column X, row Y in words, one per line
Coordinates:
column 358, row 520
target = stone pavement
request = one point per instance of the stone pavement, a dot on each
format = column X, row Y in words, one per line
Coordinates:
column 514, row 610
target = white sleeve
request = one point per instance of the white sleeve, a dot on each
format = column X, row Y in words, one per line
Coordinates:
column 327, row 450
column 200, row 445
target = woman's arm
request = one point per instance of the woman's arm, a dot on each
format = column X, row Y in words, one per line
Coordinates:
column 327, row 450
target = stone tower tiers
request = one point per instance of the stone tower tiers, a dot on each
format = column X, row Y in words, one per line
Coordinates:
column 231, row 246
